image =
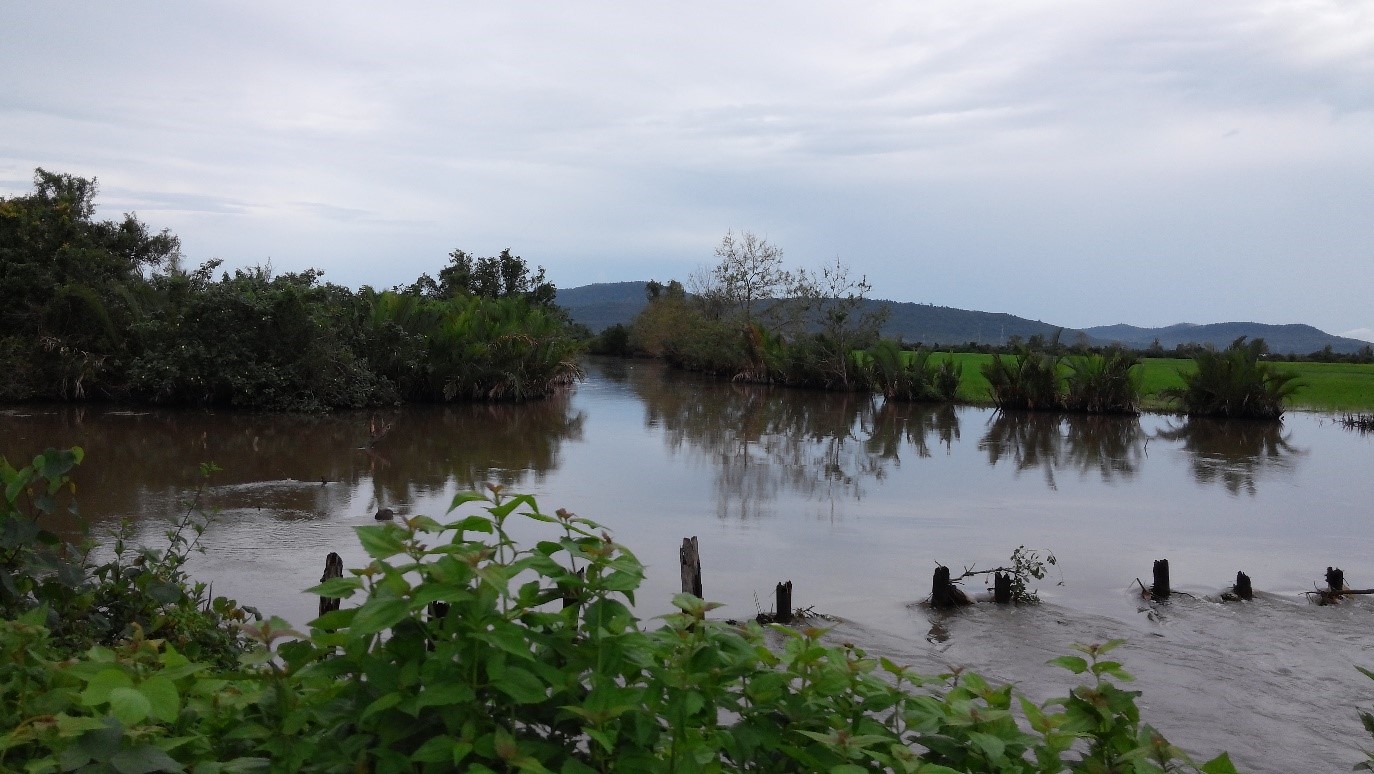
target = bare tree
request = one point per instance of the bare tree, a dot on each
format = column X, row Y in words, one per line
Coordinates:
column 750, row 271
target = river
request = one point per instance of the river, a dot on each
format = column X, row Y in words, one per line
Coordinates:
column 855, row 503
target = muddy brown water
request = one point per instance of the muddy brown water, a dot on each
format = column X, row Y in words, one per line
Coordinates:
column 852, row 501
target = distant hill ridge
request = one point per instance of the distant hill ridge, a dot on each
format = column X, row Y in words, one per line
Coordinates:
column 602, row 305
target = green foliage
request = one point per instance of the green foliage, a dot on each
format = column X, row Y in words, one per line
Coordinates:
column 1234, row 383
column 1028, row 381
column 85, row 602
column 82, row 320
column 897, row 375
column 503, row 276
column 467, row 650
column 1103, row 383
column 1026, row 565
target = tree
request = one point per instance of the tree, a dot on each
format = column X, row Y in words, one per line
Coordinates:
column 750, row 271
column 833, row 301
column 503, row 276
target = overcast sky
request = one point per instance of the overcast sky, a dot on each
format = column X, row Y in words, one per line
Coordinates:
column 1081, row 163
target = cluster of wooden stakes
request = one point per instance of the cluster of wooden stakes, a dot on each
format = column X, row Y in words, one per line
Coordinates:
column 944, row 593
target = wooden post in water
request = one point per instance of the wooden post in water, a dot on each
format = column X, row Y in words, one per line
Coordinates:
column 1001, row 588
column 784, row 603
column 1243, row 588
column 690, row 555
column 333, row 568
column 570, row 593
column 944, row 595
column 1335, row 580
column 1160, row 589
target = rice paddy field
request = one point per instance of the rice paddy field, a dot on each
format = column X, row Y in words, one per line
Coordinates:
column 1327, row 387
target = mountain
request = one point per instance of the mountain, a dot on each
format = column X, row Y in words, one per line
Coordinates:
column 1282, row 339
column 608, row 303
column 604, row 304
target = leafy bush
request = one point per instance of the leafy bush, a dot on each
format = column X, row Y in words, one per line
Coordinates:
column 1234, row 383
column 1103, row 384
column 1029, row 380
column 86, row 602
column 899, row 377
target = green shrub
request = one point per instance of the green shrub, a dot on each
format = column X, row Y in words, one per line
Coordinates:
column 1103, row 384
column 1234, row 383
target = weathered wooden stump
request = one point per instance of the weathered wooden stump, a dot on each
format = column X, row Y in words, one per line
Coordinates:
column 1243, row 589
column 385, row 514
column 690, row 556
column 1160, row 589
column 944, row 595
column 333, row 568
column 1001, row 588
column 783, row 603
column 1335, row 579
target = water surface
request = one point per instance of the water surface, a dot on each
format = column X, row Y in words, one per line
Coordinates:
column 853, row 501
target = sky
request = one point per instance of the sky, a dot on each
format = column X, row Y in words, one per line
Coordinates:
column 1078, row 162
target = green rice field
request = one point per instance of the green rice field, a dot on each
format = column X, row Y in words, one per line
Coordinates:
column 1327, row 387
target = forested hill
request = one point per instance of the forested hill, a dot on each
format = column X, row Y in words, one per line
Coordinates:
column 1285, row 339
column 601, row 305
column 605, row 304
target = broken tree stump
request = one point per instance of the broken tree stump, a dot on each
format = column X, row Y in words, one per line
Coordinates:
column 1335, row 579
column 1160, row 589
column 1001, row 588
column 783, row 603
column 944, row 595
column 333, row 568
column 1242, row 589
column 690, row 556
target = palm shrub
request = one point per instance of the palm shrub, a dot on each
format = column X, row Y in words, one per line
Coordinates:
column 898, row 376
column 1028, row 380
column 1103, row 384
column 1234, row 383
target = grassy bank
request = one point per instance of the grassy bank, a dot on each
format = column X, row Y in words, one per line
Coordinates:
column 1336, row 387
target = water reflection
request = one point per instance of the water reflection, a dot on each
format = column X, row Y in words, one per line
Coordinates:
column 1233, row 453
column 143, row 462
column 1111, row 446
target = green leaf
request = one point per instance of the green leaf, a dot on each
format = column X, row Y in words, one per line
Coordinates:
column 337, row 588
column 463, row 498
column 438, row 749
column 1072, row 663
column 522, row 686
column 381, row 541
column 162, row 696
column 382, row 704
column 379, row 613
column 129, row 706
column 1218, row 765
column 143, row 759
column 100, row 686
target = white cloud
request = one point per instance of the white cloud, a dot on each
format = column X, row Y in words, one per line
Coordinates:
column 1071, row 161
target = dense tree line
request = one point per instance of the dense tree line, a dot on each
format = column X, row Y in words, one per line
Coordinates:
column 104, row 309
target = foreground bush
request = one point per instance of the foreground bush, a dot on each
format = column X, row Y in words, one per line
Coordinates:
column 471, row 651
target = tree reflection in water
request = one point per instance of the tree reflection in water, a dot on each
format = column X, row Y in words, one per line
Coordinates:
column 1112, row 446
column 1233, row 452
column 762, row 441
column 142, row 462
